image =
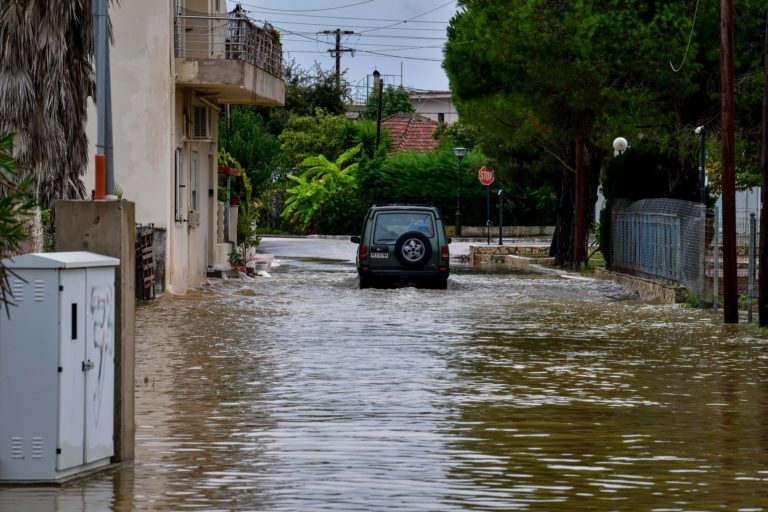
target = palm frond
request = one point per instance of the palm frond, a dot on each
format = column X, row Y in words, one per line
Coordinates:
column 46, row 77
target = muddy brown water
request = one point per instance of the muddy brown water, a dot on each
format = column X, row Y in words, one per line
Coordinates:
column 299, row 391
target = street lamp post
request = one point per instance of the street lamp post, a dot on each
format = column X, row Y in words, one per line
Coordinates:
column 620, row 145
column 377, row 80
column 459, row 152
column 702, row 161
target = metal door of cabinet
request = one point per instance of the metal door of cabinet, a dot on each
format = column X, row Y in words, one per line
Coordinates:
column 99, row 362
column 28, row 365
column 72, row 336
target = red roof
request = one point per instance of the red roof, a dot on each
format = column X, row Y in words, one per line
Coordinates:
column 411, row 132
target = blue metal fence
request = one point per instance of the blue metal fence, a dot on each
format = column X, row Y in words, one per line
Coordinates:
column 661, row 239
column 648, row 244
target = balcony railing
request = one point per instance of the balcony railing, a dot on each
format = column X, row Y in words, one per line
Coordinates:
column 232, row 36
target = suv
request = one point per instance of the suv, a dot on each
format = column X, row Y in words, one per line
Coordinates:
column 403, row 244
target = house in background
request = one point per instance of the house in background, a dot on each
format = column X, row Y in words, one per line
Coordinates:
column 175, row 64
column 411, row 132
column 436, row 105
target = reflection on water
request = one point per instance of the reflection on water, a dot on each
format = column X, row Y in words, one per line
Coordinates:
column 298, row 391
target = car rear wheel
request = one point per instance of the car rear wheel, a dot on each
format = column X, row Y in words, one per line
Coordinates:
column 413, row 249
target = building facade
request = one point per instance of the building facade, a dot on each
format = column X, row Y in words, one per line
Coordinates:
column 436, row 105
column 175, row 64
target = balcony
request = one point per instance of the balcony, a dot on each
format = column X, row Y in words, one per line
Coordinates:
column 230, row 57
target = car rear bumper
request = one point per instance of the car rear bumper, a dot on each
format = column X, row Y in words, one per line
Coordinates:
column 399, row 273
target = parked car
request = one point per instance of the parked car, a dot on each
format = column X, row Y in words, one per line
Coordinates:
column 403, row 244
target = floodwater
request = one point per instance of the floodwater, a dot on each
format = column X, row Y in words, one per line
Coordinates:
column 299, row 392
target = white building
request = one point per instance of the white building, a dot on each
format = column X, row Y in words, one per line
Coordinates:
column 436, row 105
column 174, row 65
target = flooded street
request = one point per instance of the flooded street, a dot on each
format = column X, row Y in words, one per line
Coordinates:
column 298, row 391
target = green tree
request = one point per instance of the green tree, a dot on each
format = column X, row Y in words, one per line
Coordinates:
column 394, row 101
column 248, row 140
column 561, row 75
column 319, row 183
column 429, row 178
column 16, row 202
column 309, row 135
column 362, row 132
column 456, row 134
column 306, row 90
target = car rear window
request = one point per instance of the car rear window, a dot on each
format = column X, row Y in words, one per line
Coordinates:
column 390, row 225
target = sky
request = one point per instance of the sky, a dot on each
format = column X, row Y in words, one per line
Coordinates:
column 402, row 39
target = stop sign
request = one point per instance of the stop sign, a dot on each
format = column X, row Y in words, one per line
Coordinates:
column 485, row 175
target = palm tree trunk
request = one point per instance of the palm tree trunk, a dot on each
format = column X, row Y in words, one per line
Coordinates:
column 46, row 51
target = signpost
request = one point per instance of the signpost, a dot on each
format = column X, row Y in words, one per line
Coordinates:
column 501, row 212
column 486, row 177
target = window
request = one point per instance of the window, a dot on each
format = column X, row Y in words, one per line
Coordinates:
column 201, row 123
column 389, row 226
column 440, row 117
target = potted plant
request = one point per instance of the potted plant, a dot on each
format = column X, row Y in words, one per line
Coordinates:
column 223, row 194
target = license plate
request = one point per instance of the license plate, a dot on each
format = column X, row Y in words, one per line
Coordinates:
column 382, row 255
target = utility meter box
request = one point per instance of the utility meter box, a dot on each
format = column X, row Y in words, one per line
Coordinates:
column 57, row 371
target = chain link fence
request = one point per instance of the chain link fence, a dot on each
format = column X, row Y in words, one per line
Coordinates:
column 747, row 249
column 661, row 239
column 680, row 243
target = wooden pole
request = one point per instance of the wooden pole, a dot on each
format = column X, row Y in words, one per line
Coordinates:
column 728, row 169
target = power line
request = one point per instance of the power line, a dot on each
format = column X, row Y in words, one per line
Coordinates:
column 385, row 20
column 411, row 19
column 388, row 47
column 400, row 56
column 315, row 10
column 409, row 29
column 385, row 36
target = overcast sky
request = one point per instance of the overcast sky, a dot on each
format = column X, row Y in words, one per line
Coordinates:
column 397, row 37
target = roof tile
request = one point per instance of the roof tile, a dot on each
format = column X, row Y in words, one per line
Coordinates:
column 411, row 132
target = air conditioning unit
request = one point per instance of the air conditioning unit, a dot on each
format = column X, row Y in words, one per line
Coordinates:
column 201, row 123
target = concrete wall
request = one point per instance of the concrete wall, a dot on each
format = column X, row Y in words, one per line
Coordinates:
column 142, row 95
column 108, row 227
column 430, row 105
column 149, row 116
column 142, row 98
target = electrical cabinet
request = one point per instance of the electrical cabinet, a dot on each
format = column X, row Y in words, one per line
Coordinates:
column 57, row 353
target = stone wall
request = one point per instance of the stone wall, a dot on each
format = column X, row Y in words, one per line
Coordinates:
column 646, row 289
column 533, row 258
column 507, row 231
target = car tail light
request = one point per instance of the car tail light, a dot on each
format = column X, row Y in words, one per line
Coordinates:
column 445, row 254
column 363, row 254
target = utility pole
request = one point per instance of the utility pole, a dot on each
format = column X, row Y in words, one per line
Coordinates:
column 105, row 173
column 338, row 50
column 728, row 169
column 762, row 281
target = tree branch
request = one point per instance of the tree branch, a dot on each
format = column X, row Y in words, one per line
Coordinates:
column 540, row 143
